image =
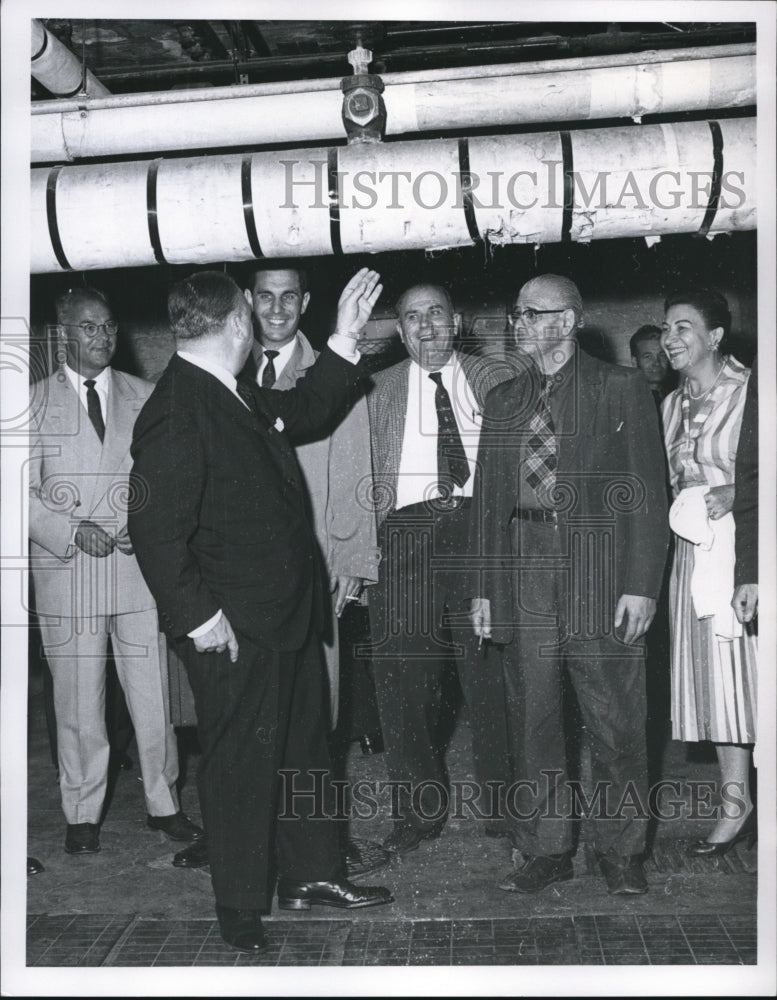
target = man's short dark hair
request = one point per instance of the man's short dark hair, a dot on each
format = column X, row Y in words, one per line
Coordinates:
column 424, row 284
column 711, row 305
column 200, row 304
column 263, row 268
column 73, row 296
column 646, row 332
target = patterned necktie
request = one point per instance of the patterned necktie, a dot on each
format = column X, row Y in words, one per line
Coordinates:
column 541, row 449
column 268, row 375
column 94, row 409
column 451, row 457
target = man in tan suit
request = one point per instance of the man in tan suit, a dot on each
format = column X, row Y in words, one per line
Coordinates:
column 88, row 586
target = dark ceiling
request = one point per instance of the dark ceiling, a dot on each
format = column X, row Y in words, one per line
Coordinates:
column 140, row 55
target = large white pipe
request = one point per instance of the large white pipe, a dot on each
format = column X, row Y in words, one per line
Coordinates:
column 57, row 68
column 266, row 115
column 691, row 177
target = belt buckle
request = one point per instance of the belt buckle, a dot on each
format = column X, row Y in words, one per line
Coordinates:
column 449, row 502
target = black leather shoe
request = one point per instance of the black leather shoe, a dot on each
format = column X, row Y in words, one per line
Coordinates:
column 344, row 895
column 371, row 743
column 34, row 867
column 193, row 856
column 241, row 929
column 177, row 827
column 406, row 838
column 624, row 875
column 82, row 838
column 748, row 831
column 538, row 872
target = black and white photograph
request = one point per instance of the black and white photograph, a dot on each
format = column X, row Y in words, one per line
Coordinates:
column 388, row 501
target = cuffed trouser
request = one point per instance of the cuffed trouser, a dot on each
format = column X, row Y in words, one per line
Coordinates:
column 76, row 650
column 608, row 679
column 258, row 716
column 413, row 640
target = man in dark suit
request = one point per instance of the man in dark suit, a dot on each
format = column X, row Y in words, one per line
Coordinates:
column 425, row 424
column 569, row 528
column 224, row 540
column 745, row 510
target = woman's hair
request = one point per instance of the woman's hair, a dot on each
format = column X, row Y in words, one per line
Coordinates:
column 711, row 306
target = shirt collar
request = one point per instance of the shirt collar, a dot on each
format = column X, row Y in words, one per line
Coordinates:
column 101, row 382
column 207, row 365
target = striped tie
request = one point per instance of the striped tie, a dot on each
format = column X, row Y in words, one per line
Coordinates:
column 541, row 449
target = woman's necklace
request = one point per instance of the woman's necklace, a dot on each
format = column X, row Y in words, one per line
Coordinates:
column 709, row 388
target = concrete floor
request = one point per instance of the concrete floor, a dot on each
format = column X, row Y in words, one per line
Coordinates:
column 455, row 877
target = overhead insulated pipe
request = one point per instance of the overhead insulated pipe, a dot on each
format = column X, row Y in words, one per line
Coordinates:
column 625, row 86
column 58, row 69
column 548, row 187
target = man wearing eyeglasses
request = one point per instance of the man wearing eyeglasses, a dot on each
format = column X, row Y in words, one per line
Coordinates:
column 569, row 532
column 88, row 586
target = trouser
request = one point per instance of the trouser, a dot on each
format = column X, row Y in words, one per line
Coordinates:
column 258, row 717
column 118, row 723
column 608, row 679
column 76, row 650
column 419, row 627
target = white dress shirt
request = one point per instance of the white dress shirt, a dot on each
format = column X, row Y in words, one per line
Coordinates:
column 102, row 385
column 418, row 477
column 279, row 363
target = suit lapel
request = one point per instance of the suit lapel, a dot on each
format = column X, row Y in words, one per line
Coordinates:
column 69, row 424
column 394, row 416
column 587, row 386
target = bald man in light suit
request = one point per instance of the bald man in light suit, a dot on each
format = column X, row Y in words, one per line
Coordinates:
column 88, row 586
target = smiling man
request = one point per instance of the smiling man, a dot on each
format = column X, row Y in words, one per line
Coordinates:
column 88, row 587
column 335, row 462
column 425, row 425
column 569, row 528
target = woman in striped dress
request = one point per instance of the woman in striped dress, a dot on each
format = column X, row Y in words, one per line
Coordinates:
column 713, row 656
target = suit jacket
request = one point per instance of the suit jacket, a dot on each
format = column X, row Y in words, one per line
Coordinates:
column 337, row 471
column 225, row 522
column 387, row 403
column 610, row 474
column 74, row 477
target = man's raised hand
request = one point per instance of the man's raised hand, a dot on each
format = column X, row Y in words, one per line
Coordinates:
column 356, row 302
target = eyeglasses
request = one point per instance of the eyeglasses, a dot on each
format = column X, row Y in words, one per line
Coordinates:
column 92, row 329
column 530, row 315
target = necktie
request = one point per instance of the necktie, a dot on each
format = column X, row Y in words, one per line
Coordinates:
column 451, row 457
column 268, row 375
column 94, row 410
column 541, row 449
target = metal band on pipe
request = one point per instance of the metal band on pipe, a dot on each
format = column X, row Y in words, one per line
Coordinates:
column 51, row 215
column 715, row 183
column 334, row 202
column 569, row 186
column 151, row 209
column 43, row 47
column 248, row 206
column 466, row 191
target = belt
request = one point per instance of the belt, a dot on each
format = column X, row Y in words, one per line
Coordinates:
column 534, row 514
column 435, row 505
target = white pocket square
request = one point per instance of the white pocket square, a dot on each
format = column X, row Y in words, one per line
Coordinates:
column 279, row 424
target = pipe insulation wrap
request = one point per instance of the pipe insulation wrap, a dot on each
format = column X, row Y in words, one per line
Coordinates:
column 691, row 177
column 57, row 68
column 229, row 119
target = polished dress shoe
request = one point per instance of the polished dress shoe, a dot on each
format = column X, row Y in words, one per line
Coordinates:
column 177, row 827
column 82, row 838
column 371, row 743
column 406, row 838
column 344, row 895
column 623, row 874
column 193, row 856
column 748, row 831
column 241, row 929
column 538, row 872
column 34, row 867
